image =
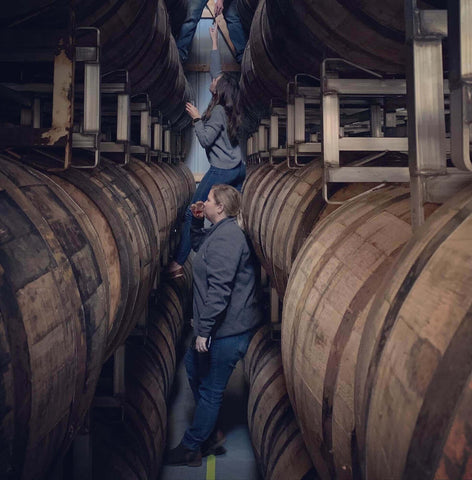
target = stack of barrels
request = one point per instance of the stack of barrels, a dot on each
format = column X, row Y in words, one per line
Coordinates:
column 135, row 36
column 278, row 444
column 279, row 47
column 281, row 206
column 79, row 252
column 374, row 327
column 133, row 448
column 292, row 37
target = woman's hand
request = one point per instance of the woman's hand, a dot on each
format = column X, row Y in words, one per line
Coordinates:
column 201, row 344
column 197, row 209
column 218, row 7
column 192, row 110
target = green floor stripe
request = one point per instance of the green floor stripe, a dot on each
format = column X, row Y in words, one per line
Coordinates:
column 211, row 467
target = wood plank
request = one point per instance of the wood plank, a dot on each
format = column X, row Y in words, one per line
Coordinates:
column 205, row 67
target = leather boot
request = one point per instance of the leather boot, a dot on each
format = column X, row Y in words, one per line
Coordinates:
column 213, row 445
column 181, row 455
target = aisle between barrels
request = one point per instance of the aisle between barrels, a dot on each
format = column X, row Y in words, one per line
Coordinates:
column 238, row 463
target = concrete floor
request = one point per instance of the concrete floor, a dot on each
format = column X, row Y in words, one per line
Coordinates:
column 238, row 463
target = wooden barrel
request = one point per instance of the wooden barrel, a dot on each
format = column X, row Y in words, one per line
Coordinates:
column 157, row 206
column 254, row 177
column 294, row 212
column 291, row 46
column 164, row 184
column 276, row 438
column 246, row 9
column 126, row 28
column 143, row 72
column 187, row 187
column 167, row 88
column 133, row 449
column 335, row 276
column 135, row 35
column 133, row 207
column 254, row 98
column 177, row 14
column 274, row 81
column 124, row 194
column 255, row 200
column 280, row 208
column 289, row 37
column 54, row 305
column 278, row 43
column 414, row 367
column 182, row 187
column 179, row 186
column 365, row 32
column 78, row 253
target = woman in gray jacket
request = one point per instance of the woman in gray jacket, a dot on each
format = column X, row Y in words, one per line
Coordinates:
column 225, row 315
column 217, row 131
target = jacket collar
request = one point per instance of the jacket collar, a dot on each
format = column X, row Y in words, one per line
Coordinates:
column 221, row 222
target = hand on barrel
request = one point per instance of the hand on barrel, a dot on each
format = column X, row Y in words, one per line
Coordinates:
column 197, row 209
column 192, row 110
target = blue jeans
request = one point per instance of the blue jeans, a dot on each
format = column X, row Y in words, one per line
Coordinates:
column 232, row 176
column 194, row 12
column 208, row 375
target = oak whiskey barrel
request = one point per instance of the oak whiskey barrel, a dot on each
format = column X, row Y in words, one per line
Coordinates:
column 54, row 303
column 415, row 362
column 333, row 281
column 275, row 435
column 133, row 449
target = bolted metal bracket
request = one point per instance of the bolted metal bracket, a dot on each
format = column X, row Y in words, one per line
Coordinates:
column 88, row 137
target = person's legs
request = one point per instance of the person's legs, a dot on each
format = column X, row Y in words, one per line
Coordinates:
column 233, row 176
column 238, row 183
column 191, row 366
column 235, row 29
column 214, row 444
column 223, row 356
column 194, row 12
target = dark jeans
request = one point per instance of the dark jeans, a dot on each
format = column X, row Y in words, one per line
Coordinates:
column 208, row 375
column 194, row 12
column 232, row 176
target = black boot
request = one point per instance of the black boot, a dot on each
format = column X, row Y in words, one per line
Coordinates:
column 213, row 445
column 181, row 455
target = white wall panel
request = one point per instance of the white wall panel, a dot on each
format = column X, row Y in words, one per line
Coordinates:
column 200, row 82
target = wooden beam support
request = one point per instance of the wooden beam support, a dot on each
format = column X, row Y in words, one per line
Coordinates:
column 205, row 67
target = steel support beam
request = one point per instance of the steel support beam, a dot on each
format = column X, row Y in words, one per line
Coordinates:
column 426, row 121
column 460, row 81
column 330, row 128
column 367, row 174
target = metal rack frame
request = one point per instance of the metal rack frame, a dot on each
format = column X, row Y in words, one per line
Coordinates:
column 63, row 50
column 428, row 94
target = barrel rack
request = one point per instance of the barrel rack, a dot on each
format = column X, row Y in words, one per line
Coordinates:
column 104, row 96
column 362, row 103
column 78, row 109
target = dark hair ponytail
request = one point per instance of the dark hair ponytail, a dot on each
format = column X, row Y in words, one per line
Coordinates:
column 227, row 95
